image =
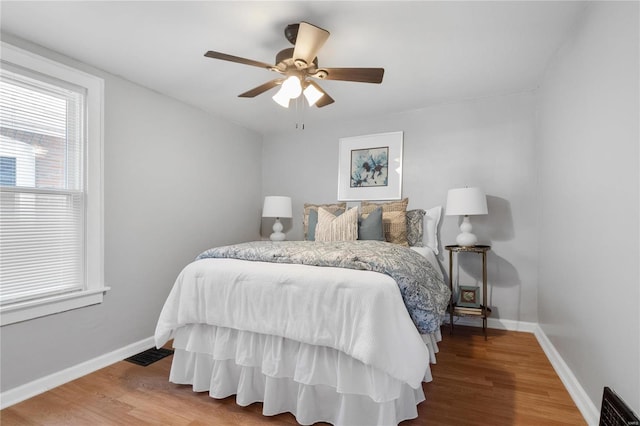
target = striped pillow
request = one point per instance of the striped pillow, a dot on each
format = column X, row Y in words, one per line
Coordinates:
column 308, row 207
column 337, row 228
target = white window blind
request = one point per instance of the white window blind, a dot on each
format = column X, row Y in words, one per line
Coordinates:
column 42, row 212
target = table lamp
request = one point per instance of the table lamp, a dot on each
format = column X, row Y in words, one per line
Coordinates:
column 276, row 206
column 466, row 202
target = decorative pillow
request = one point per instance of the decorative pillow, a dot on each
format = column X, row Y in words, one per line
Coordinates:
column 415, row 230
column 337, row 228
column 431, row 221
column 308, row 207
column 313, row 222
column 370, row 226
column 394, row 219
column 390, row 206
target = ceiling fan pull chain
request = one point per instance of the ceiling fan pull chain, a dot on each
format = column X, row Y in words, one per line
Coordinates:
column 300, row 108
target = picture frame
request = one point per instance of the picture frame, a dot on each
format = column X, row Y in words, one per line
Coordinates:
column 468, row 297
column 370, row 167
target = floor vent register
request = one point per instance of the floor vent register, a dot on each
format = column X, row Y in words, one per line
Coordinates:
column 615, row 412
column 149, row 356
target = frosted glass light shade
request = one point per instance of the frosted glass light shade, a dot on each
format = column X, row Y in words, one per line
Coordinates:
column 292, row 87
column 281, row 98
column 312, row 94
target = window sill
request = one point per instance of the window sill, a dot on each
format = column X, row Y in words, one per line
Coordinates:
column 24, row 311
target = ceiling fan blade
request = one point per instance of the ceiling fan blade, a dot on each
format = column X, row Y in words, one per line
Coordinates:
column 308, row 42
column 325, row 99
column 261, row 89
column 231, row 58
column 362, row 75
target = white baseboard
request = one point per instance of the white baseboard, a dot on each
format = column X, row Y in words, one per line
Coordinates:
column 36, row 387
column 587, row 408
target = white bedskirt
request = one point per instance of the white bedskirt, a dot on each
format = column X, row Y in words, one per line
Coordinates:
column 314, row 383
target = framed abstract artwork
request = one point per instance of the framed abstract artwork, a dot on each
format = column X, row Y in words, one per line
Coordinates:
column 370, row 167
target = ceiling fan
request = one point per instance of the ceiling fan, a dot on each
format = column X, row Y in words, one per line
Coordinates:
column 298, row 65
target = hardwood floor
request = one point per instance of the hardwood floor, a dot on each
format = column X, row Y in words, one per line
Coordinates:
column 506, row 380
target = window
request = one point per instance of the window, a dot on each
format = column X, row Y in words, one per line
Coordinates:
column 8, row 171
column 50, row 187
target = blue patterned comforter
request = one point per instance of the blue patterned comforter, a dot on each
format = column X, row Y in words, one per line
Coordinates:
column 424, row 292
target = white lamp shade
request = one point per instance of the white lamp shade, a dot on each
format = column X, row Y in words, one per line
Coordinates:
column 276, row 206
column 466, row 201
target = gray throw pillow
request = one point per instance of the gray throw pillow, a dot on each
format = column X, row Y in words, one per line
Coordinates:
column 370, row 228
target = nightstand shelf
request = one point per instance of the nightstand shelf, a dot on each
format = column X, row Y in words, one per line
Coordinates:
column 483, row 311
column 464, row 311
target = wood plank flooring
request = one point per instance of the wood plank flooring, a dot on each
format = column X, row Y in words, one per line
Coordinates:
column 506, row 380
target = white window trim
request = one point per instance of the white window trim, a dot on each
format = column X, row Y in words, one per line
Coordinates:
column 95, row 286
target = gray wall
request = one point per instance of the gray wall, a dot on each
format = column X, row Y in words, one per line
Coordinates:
column 171, row 190
column 488, row 143
column 588, row 155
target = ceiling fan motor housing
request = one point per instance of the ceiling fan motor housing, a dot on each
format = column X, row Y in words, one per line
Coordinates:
column 291, row 33
column 283, row 55
column 285, row 61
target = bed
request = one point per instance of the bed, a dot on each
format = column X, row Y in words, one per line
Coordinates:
column 341, row 332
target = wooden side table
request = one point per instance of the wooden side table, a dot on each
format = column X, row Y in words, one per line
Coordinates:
column 482, row 311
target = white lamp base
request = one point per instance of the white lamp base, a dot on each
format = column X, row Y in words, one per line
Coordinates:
column 277, row 235
column 466, row 238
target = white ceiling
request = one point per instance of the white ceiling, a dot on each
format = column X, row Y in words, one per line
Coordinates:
column 432, row 52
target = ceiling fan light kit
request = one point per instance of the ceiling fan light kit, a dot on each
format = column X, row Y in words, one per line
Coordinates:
column 291, row 88
column 299, row 63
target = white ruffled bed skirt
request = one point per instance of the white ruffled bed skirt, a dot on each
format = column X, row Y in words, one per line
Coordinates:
column 314, row 383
